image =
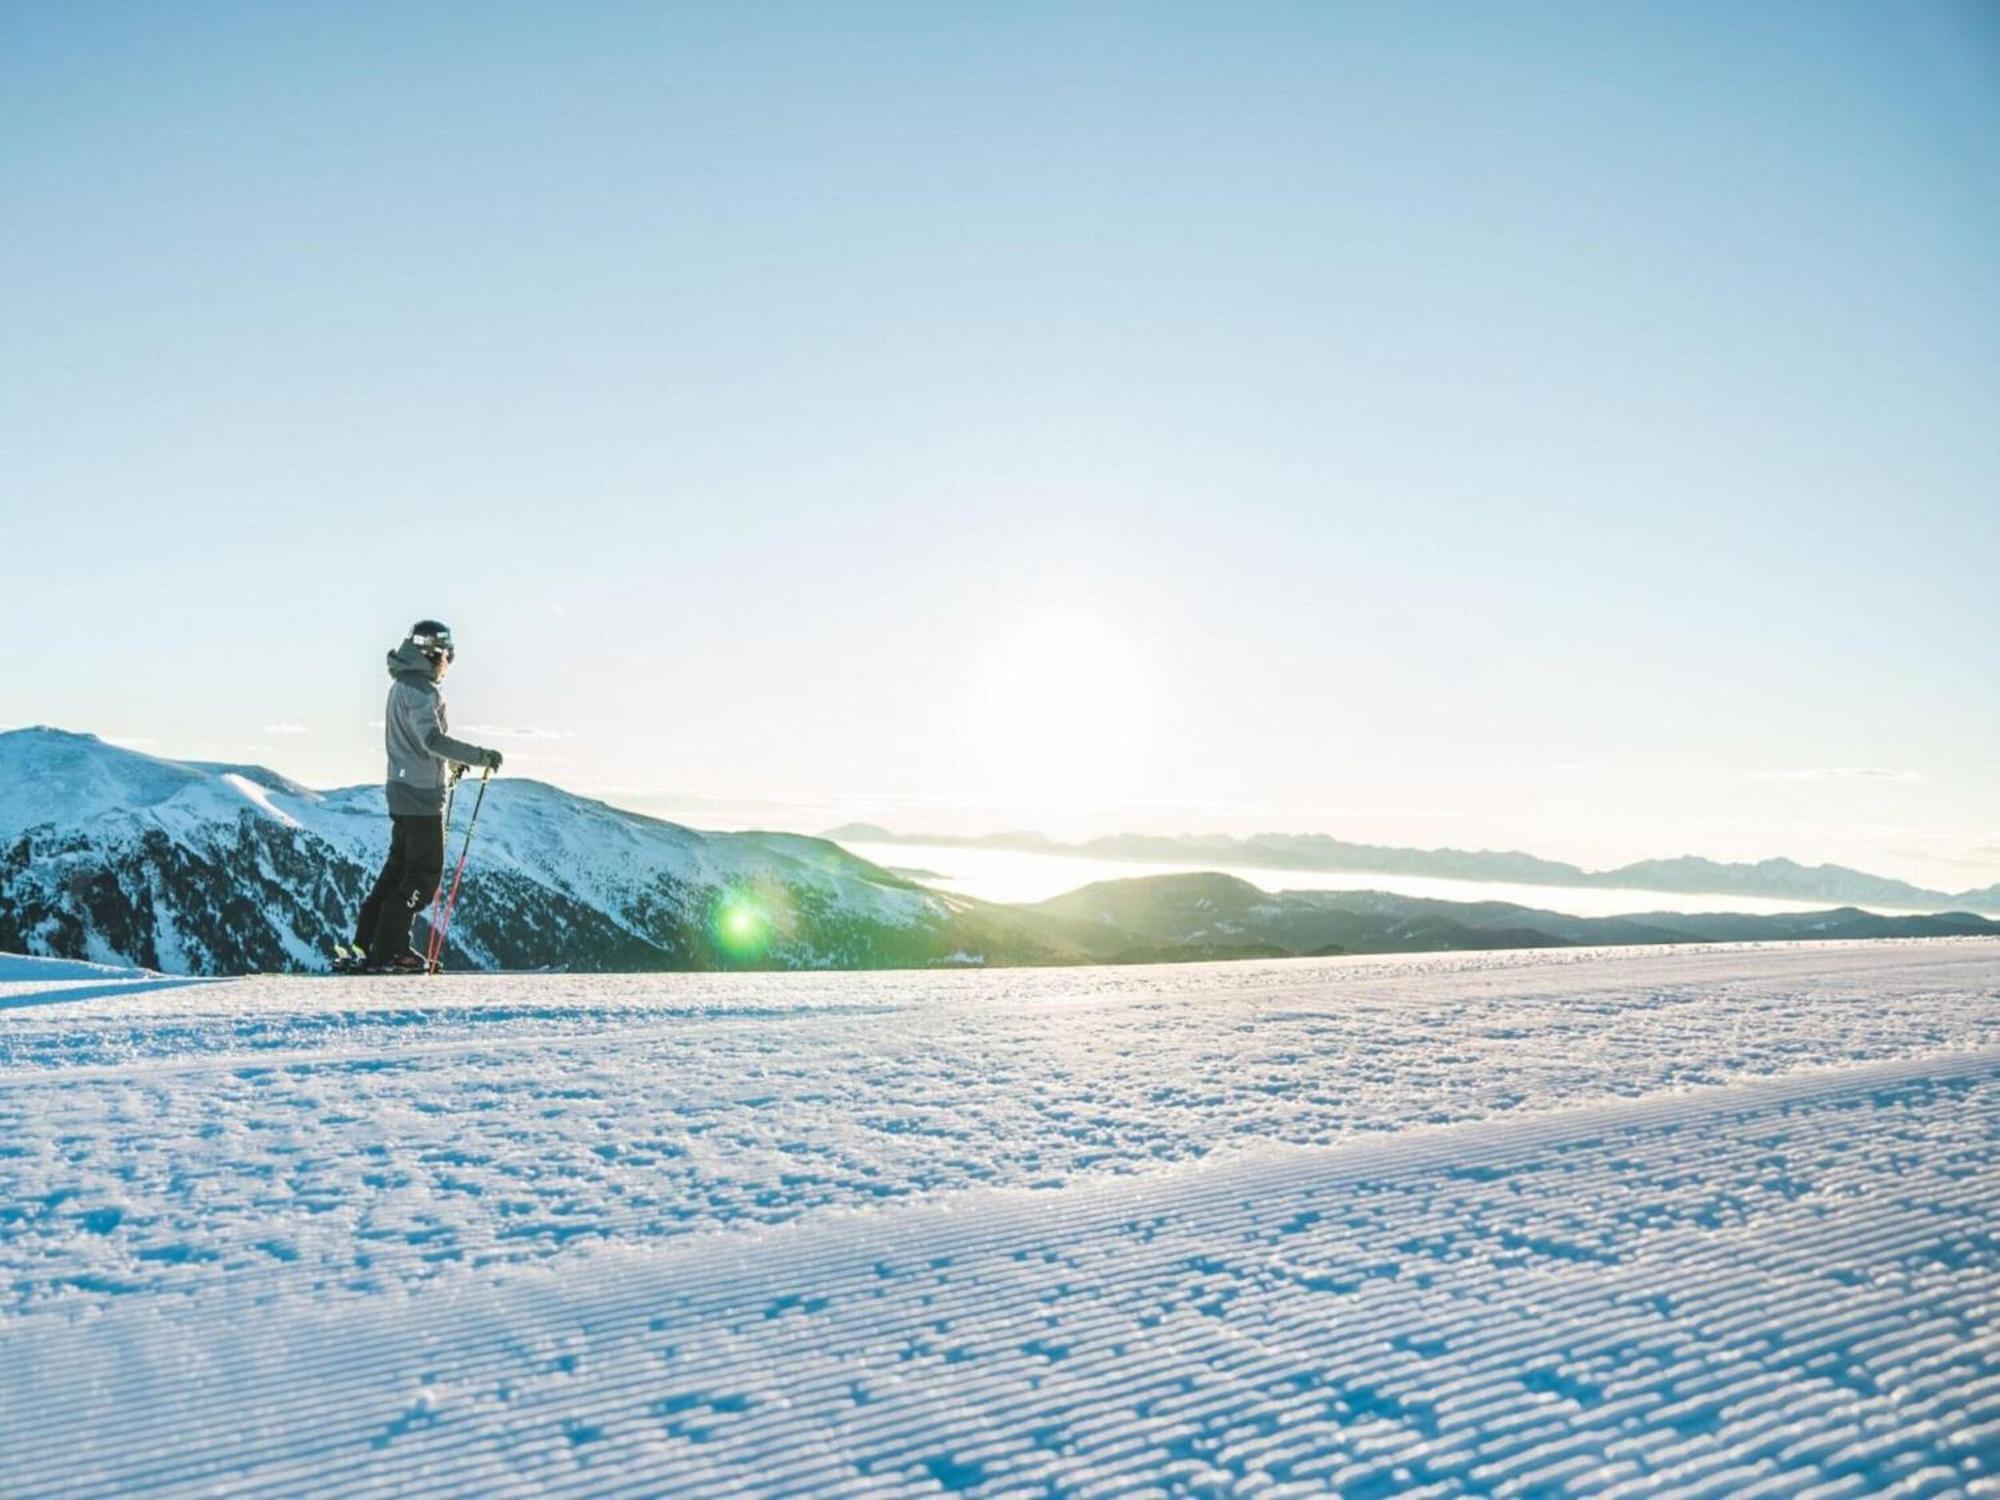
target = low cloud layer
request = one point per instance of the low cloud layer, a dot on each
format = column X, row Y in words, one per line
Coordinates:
column 1838, row 773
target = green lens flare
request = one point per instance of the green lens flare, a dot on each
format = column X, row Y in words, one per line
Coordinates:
column 742, row 928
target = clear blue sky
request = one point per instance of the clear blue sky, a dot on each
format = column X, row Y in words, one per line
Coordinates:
column 1569, row 426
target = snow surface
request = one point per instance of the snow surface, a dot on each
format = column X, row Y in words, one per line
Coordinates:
column 1713, row 1221
column 15, row 967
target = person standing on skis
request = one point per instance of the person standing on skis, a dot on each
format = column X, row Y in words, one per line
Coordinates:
column 423, row 761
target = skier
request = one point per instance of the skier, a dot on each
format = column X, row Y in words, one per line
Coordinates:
column 423, row 761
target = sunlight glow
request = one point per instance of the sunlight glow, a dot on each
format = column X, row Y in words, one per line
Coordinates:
column 1060, row 697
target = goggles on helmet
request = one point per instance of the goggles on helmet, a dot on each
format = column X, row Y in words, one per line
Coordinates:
column 435, row 643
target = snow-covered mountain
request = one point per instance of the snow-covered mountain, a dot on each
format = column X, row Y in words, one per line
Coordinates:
column 113, row 856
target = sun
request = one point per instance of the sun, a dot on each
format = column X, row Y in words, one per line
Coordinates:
column 1059, row 696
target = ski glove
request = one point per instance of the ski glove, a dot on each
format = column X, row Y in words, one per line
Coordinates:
column 492, row 760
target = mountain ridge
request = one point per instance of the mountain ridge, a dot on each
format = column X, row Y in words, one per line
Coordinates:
column 1215, row 908
column 1688, row 874
column 110, row 855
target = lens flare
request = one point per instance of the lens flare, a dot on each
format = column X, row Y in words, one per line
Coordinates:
column 741, row 928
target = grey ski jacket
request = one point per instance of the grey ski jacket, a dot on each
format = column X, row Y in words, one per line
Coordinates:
column 415, row 733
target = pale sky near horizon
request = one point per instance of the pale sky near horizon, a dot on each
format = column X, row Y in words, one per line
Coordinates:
column 1558, row 426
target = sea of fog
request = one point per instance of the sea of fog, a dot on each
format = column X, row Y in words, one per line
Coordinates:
column 1018, row 875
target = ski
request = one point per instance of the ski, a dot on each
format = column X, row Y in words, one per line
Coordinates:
column 352, row 960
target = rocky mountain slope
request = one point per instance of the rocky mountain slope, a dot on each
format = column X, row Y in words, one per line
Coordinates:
column 114, row 856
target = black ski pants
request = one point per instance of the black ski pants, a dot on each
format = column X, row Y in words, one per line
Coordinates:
column 408, row 881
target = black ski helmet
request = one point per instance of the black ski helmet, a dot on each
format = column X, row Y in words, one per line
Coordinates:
column 433, row 638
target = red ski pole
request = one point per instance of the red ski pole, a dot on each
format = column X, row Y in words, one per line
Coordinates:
column 442, row 925
column 437, row 896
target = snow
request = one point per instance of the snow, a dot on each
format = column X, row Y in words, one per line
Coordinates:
column 15, row 967
column 94, row 780
column 259, row 797
column 1693, row 1221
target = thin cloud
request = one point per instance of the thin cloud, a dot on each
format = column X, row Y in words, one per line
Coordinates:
column 1838, row 773
column 510, row 732
column 1980, row 859
column 1981, row 851
column 286, row 729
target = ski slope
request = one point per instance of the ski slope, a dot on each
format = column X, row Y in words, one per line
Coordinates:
column 1708, row 1221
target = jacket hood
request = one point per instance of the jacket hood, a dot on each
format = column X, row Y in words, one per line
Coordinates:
column 409, row 661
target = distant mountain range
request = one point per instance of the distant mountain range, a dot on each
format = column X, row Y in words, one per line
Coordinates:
column 1689, row 874
column 111, row 856
column 1220, row 916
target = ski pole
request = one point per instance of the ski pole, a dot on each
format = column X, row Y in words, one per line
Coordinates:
column 437, row 896
column 436, row 953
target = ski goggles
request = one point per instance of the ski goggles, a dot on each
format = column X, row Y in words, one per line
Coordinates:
column 436, row 644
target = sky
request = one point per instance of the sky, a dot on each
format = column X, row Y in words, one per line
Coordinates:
column 1556, row 426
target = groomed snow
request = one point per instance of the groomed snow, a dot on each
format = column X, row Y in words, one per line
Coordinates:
column 16, row 967
column 1715, row 1221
